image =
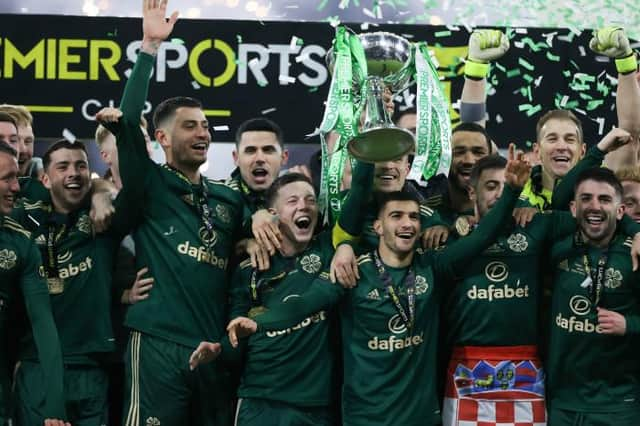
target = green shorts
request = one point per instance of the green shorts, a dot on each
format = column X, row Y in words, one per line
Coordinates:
column 161, row 390
column 262, row 412
column 561, row 417
column 85, row 389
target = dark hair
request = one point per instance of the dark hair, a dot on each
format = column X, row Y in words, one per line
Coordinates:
column 489, row 162
column 8, row 149
column 58, row 145
column 259, row 125
column 286, row 179
column 397, row 114
column 383, row 198
column 5, row 117
column 559, row 114
column 474, row 127
column 167, row 108
column 600, row 174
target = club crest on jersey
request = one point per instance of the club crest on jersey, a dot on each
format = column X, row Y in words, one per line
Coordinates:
column 65, row 257
column 8, row 259
column 517, row 242
column 612, row 278
column 311, row 263
column 496, row 271
column 152, row 421
column 208, row 237
column 84, row 225
column 223, row 213
column 421, row 285
column 396, row 325
column 579, row 305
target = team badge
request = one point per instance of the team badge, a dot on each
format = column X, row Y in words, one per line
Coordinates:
column 223, row 213
column 7, row 259
column 517, row 242
column 421, row 285
column 152, row 421
column 84, row 225
column 612, row 278
column 311, row 263
column 208, row 237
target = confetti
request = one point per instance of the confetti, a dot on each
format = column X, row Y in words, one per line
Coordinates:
column 442, row 33
column 177, row 41
column 552, row 57
column 525, row 64
column 223, row 128
column 195, row 85
column 286, row 79
column 267, row 111
column 66, row 133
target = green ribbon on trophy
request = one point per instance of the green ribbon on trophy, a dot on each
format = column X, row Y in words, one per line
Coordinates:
column 433, row 127
column 362, row 67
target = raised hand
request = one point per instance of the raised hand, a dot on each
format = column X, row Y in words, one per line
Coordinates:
column 155, row 26
column 614, row 139
column 344, row 267
column 611, row 42
column 108, row 115
column 487, row 45
column 518, row 170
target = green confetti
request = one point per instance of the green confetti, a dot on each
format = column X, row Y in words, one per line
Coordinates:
column 442, row 33
column 552, row 57
column 528, row 144
column 534, row 110
column 525, row 64
column 262, row 83
column 566, row 73
column 300, row 42
column 594, row 104
column 578, row 87
column 239, row 38
column 584, row 78
column 313, row 89
column 513, row 72
column 585, row 96
column 177, row 41
column 574, row 64
column 322, row 4
column 528, row 78
column 500, row 67
column 113, row 34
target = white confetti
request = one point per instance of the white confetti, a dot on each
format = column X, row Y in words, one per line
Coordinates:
column 364, row 26
column 66, row 133
column 33, row 220
column 286, row 79
column 521, row 31
column 453, row 28
column 582, row 51
column 195, row 85
column 301, row 58
column 409, row 36
column 600, row 121
column 564, row 100
column 518, row 44
column 267, row 111
column 499, row 119
column 293, row 43
column 601, row 58
column 223, row 128
column 369, row 13
column 538, row 81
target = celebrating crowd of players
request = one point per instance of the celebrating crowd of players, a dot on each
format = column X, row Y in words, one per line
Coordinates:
column 423, row 303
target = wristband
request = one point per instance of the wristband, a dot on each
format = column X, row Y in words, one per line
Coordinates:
column 476, row 70
column 627, row 65
column 472, row 112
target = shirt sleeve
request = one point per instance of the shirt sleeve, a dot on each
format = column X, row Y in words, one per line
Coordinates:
column 45, row 334
column 349, row 223
column 321, row 294
column 461, row 252
column 240, row 304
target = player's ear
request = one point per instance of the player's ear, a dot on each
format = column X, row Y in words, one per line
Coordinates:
column 377, row 226
column 572, row 207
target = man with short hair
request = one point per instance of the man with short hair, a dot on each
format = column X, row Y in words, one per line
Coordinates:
column 22, row 282
column 593, row 373
column 185, row 228
column 259, row 155
column 630, row 180
column 78, row 268
column 29, row 165
column 389, row 320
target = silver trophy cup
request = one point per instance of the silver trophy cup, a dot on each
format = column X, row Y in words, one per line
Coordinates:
column 389, row 58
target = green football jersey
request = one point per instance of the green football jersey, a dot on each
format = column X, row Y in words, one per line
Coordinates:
column 390, row 368
column 32, row 189
column 292, row 365
column 22, row 284
column 82, row 308
column 495, row 301
column 587, row 370
column 186, row 250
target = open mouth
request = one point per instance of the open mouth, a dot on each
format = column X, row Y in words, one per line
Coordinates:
column 594, row 219
column 303, row 222
column 259, row 172
column 200, row 147
column 74, row 186
column 406, row 235
column 386, row 177
column 561, row 159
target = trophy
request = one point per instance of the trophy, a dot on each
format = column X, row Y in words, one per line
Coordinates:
column 389, row 61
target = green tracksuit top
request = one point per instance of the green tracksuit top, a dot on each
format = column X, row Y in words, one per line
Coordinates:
column 82, row 311
column 187, row 261
column 22, row 282
column 589, row 371
column 390, row 373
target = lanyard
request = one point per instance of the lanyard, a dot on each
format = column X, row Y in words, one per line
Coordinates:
column 596, row 277
column 409, row 284
column 256, row 283
column 51, row 253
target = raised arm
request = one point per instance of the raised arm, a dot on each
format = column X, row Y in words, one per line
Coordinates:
column 45, row 334
column 613, row 42
column 349, row 223
column 457, row 255
column 484, row 46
